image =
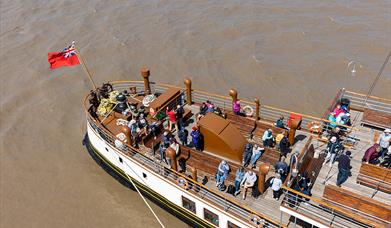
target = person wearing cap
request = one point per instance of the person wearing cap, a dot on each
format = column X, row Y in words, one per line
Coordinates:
column 343, row 168
column 247, row 153
column 257, row 153
column 248, row 181
column 222, row 173
column 333, row 147
column 276, row 184
column 267, row 137
column 384, row 141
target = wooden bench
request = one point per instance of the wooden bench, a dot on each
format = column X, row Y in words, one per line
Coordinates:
column 365, row 209
column 375, row 177
column 376, row 119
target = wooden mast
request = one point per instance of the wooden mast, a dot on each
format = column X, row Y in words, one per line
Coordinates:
column 84, row 66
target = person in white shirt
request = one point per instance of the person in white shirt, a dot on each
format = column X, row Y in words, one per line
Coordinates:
column 248, row 181
column 384, row 141
column 276, row 186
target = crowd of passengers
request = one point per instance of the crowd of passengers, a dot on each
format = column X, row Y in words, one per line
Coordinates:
column 243, row 179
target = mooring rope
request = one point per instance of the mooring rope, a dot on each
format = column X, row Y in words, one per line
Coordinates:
column 138, row 191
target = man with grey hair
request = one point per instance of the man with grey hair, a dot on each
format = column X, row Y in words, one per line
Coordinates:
column 333, row 147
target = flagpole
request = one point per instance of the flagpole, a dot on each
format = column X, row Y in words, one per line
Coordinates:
column 84, row 65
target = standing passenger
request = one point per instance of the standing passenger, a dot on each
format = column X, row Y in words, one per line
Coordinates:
column 276, row 186
column 248, row 181
column 247, row 153
column 179, row 116
column 333, row 147
column 196, row 138
column 238, row 179
column 172, row 118
column 343, row 168
column 257, row 153
column 384, row 141
column 222, row 173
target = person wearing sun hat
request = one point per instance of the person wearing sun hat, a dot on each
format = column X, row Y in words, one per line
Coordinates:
column 384, row 141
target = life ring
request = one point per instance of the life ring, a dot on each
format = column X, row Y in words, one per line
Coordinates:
column 314, row 127
column 248, row 110
column 182, row 182
column 148, row 99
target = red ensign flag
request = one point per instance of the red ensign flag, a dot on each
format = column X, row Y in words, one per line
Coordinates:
column 67, row 57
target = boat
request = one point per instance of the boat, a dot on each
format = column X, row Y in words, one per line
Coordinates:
column 185, row 183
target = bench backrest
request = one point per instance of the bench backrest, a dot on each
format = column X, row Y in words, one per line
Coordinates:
column 361, row 203
column 376, row 172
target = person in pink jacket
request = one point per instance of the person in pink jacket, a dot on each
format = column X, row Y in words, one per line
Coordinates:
column 236, row 107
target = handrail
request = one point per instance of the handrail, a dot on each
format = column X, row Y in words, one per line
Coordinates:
column 335, row 208
column 373, row 97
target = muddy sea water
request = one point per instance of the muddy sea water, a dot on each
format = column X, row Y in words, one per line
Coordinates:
column 290, row 54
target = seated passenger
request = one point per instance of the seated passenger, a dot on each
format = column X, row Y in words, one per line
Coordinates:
column 222, row 173
column 304, row 184
column 337, row 110
column 372, row 154
column 386, row 161
column 248, row 181
column 267, row 138
column 210, row 107
column 247, row 153
column 236, row 107
column 257, row 153
column 203, row 108
column 238, row 179
column 280, row 123
column 332, row 120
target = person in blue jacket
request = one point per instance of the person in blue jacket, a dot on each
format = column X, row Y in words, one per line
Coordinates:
column 196, row 138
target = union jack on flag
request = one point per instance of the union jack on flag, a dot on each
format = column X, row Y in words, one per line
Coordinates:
column 69, row 51
column 68, row 57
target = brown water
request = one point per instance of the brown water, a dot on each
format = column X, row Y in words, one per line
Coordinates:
column 292, row 55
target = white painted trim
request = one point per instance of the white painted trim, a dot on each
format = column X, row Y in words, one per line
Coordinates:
column 302, row 217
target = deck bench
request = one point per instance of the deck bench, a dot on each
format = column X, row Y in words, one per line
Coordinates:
column 375, row 177
column 365, row 209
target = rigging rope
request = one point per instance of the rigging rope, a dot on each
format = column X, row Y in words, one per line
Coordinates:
column 138, row 191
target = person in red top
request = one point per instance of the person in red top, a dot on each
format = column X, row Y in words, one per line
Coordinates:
column 172, row 118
